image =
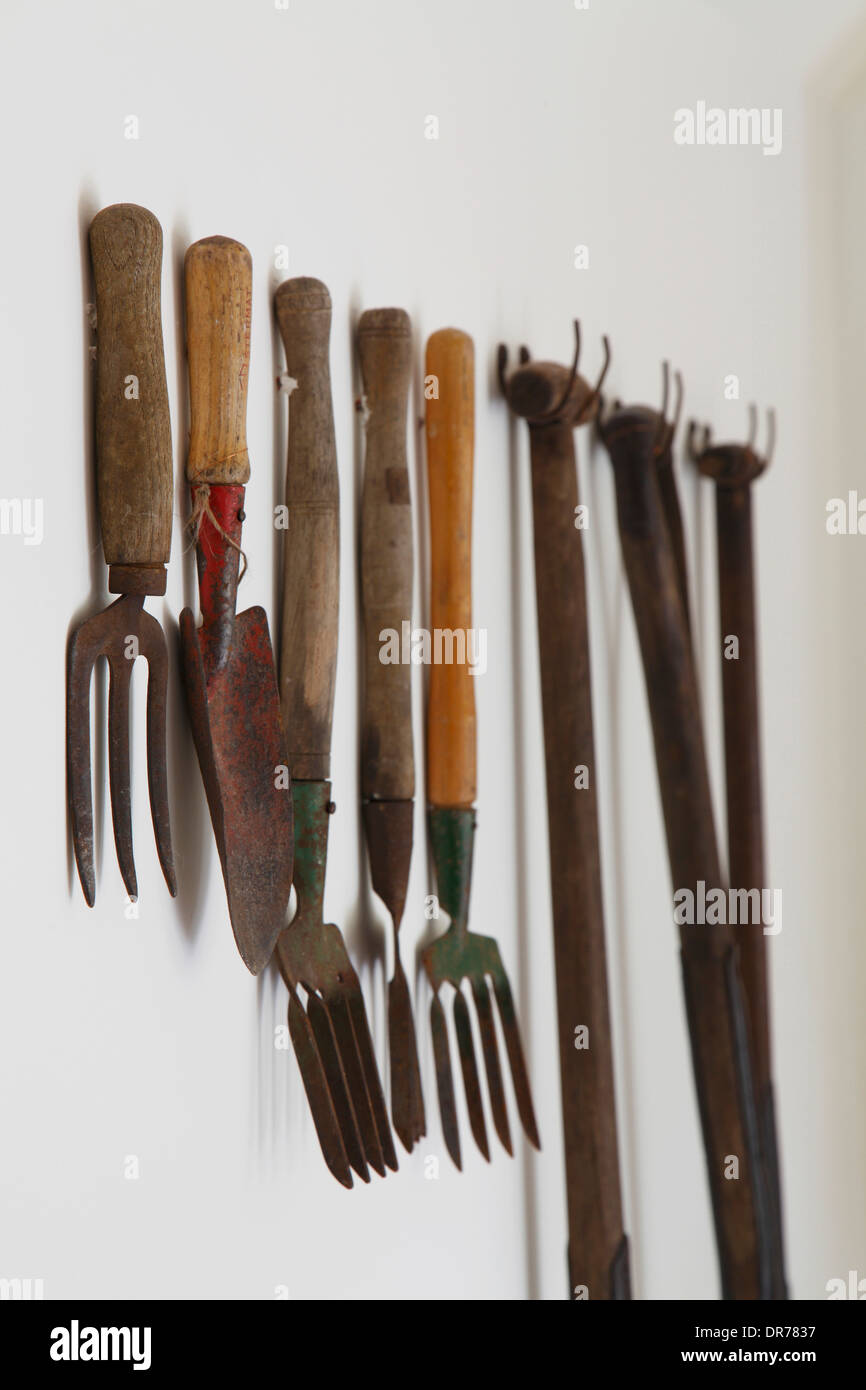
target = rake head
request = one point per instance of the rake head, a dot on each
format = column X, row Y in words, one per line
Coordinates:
column 120, row 633
column 462, row 956
column 327, row 1016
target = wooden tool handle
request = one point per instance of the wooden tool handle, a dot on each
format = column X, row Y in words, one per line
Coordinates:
column 133, row 429
column 218, row 282
column 387, row 760
column 311, row 574
column 450, row 419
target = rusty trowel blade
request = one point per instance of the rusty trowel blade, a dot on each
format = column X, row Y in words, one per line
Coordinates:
column 235, row 714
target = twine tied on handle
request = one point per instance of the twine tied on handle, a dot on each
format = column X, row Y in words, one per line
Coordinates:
column 202, row 508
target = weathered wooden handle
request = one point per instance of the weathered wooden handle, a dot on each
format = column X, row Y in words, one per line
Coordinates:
column 218, row 282
column 450, row 420
column 311, row 573
column 133, row 428
column 387, row 759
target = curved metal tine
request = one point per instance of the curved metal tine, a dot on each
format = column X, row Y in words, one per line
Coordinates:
column 495, row 1088
column 678, row 398
column 120, row 668
column 661, row 431
column 555, row 409
column 524, row 355
column 328, row 1058
column 519, row 1074
column 153, row 649
column 364, row 1044
column 337, row 1013
column 595, row 393
column 83, row 654
column 471, row 1083
column 319, row 1096
column 753, row 425
column 771, row 436
column 445, row 1080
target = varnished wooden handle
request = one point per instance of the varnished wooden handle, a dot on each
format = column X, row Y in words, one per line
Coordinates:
column 218, row 282
column 311, row 573
column 450, row 420
column 133, row 429
column 387, row 759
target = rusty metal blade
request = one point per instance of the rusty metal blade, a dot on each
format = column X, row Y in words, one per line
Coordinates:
column 407, row 1099
column 318, row 1093
column 153, row 649
column 340, row 1097
column 471, row 1083
column 496, row 1091
column 120, row 667
column 238, row 732
column 519, row 1074
column 341, row 1022
column 444, row 1080
column 361, row 1027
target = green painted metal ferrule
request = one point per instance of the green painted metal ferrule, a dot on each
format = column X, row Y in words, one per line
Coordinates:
column 313, row 808
column 452, row 830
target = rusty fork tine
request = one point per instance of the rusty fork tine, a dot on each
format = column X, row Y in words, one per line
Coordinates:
column 80, row 669
column 471, row 1083
column 495, row 1088
column 519, row 1075
column 153, row 649
column 373, row 1084
column 120, row 667
column 331, row 1066
column 319, row 1094
column 341, row 1022
column 445, row 1080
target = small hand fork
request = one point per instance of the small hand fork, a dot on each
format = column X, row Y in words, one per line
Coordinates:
column 460, row 954
column 331, row 1035
column 134, row 474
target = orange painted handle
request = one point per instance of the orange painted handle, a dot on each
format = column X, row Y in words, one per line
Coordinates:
column 450, row 422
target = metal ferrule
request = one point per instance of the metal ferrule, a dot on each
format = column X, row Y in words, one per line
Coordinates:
column 452, row 830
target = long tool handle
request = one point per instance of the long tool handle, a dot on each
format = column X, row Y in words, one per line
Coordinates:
column 450, row 420
column 133, row 428
column 311, row 572
column 218, row 281
column 598, row 1248
column 387, row 760
column 744, row 804
column 710, row 960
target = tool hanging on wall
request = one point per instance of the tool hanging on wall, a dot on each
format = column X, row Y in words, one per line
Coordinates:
column 228, row 663
column 331, row 1035
column 715, row 1001
column 460, row 955
column 555, row 401
column 733, row 468
column 387, row 757
column 134, row 478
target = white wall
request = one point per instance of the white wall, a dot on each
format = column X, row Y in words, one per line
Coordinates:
column 146, row 1037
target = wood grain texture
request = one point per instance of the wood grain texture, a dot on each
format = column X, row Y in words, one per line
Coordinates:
column 311, row 568
column 450, row 426
column 133, row 428
column 595, row 1217
column 385, row 352
column 218, row 284
column 715, row 1000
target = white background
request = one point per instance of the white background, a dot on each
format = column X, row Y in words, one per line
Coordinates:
column 306, row 127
